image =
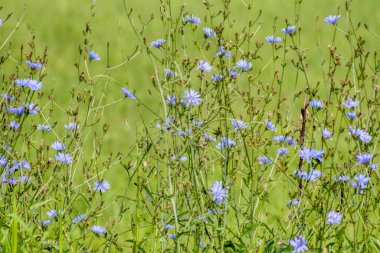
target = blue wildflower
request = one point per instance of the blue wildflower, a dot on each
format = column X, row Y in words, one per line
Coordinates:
column 204, row 66
column 71, row 126
column 282, row 151
column 239, row 124
column 35, row 85
column 292, row 202
column 222, row 52
column 172, row 236
column 34, row 65
column 1, row 22
column 158, row 43
column 209, row 138
column 101, row 186
column 79, row 218
column 363, row 158
column 332, row 19
column 279, row 138
column 288, row 30
column 8, row 178
column 349, row 103
column 7, row 97
column 361, row 134
column 272, row 39
column 217, row 77
column 299, row 244
column 64, row 158
column 243, row 65
column 180, row 159
column 209, row 33
column 7, row 147
column 170, row 99
column 30, row 83
column 265, row 160
column 58, row 146
column 234, row 73
column 326, row 134
column 351, row 115
column 127, row 93
column 197, row 122
column 182, row 133
column 14, row 125
column 167, row 125
column 308, row 154
column 169, row 73
column 270, row 125
column 32, row 108
column 15, row 166
column 22, row 82
column 315, row 104
column 290, row 141
column 225, row 143
column 219, row 192
column 167, row 227
column 191, row 97
column 3, row 160
column 373, row 166
column 193, row 20
column 334, row 218
column 23, row 179
column 25, row 165
column 313, row 175
column 98, row 229
column 20, row 110
column 361, row 182
column 43, row 127
column 52, row 214
column 301, row 174
column 46, row 223
column 343, row 178
column 93, row 56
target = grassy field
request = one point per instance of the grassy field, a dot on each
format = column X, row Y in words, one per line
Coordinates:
column 60, row 30
column 58, row 26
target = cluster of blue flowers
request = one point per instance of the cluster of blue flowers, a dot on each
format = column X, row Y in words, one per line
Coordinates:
column 32, row 84
column 14, row 171
column 194, row 132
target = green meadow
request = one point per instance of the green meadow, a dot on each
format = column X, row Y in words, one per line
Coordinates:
column 59, row 28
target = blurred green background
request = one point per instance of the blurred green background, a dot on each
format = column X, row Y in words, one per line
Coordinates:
column 58, row 26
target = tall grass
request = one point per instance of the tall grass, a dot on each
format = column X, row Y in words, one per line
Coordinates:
column 238, row 148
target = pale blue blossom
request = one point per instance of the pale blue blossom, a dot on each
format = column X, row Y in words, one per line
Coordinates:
column 209, row 32
column 225, row 143
column 158, row 43
column 98, row 229
column 101, row 186
column 332, row 19
column 289, row 29
column 193, row 19
column 243, row 65
column 334, row 218
column 218, row 192
column 204, row 66
column 299, row 244
column 272, row 39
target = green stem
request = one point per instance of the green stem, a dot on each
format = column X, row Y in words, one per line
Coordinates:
column 14, row 223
